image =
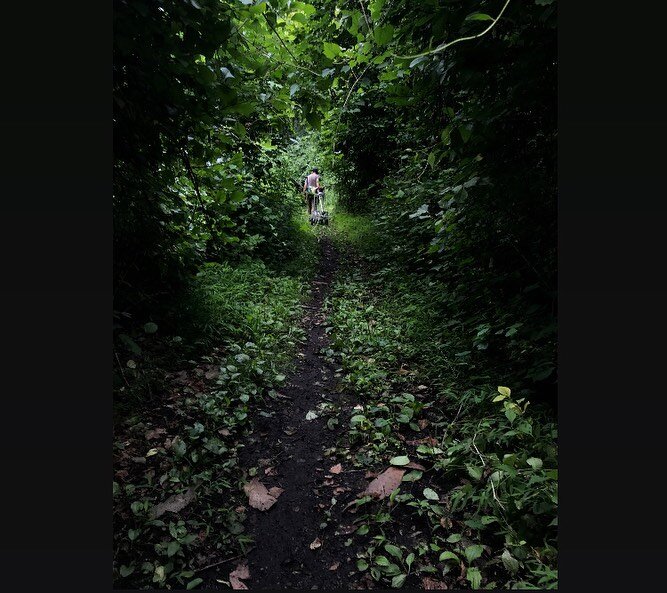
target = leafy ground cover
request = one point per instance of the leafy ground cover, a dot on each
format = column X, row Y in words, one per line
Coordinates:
column 176, row 472
column 477, row 499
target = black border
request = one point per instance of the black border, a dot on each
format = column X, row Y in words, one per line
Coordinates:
column 56, row 295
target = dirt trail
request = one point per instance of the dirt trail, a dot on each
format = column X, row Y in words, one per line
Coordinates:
column 293, row 446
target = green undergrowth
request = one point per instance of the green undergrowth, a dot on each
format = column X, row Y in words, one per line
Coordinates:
column 185, row 439
column 486, row 505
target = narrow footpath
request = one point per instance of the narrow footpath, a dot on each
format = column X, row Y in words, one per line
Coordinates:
column 292, row 548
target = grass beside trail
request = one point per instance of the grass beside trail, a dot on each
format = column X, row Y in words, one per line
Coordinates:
column 182, row 435
column 486, row 507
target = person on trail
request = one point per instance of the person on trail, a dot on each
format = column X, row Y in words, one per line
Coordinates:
column 310, row 186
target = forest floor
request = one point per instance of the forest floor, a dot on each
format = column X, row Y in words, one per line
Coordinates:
column 353, row 471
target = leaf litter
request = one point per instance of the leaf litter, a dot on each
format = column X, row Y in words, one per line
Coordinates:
column 240, row 572
column 259, row 497
column 385, row 483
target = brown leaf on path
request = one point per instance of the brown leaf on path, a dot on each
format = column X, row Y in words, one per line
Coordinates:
column 174, row 503
column 275, row 491
column 334, row 566
column 385, row 483
column 445, row 522
column 224, row 432
column 423, row 423
column 429, row 583
column 336, row 469
column 240, row 572
column 316, row 543
column 259, row 497
column 413, row 465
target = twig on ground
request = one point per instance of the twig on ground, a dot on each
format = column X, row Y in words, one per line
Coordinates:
column 223, row 561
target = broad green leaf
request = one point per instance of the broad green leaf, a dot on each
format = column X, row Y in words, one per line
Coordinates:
column 474, row 471
column 331, row 50
column 475, row 577
column 194, row 583
column 381, row 561
column 478, row 16
column 126, row 570
column 455, row 537
column 431, row 494
column 473, row 552
column 448, row 556
column 395, row 551
column 506, row 391
column 362, row 565
column 400, row 460
column 172, row 548
column 534, row 462
column 398, row 580
column 412, row 476
column 418, row 60
column 150, row 327
column 383, row 34
column 511, row 563
column 375, row 7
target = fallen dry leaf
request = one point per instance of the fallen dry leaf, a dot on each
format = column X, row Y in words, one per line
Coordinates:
column 423, row 423
column 334, row 566
column 240, row 572
column 421, row 387
column 224, row 432
column 316, row 543
column 429, row 583
column 413, row 465
column 259, row 497
column 275, row 491
column 270, row 471
column 385, row 483
column 174, row 503
column 336, row 469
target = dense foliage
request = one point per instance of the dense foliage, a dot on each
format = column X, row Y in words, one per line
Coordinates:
column 434, row 119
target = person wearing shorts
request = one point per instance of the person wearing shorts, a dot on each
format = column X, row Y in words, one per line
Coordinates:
column 310, row 186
